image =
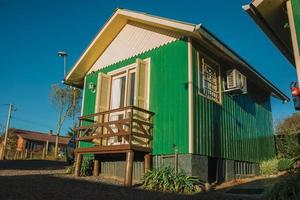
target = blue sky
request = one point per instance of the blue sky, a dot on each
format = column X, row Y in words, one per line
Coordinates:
column 32, row 31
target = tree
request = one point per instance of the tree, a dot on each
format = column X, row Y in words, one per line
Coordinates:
column 11, row 144
column 11, row 138
column 66, row 100
column 289, row 125
column 288, row 137
column 71, row 132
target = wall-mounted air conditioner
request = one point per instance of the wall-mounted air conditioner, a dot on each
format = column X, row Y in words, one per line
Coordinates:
column 236, row 82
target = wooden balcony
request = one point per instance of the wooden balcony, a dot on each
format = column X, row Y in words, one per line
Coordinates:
column 124, row 130
column 117, row 130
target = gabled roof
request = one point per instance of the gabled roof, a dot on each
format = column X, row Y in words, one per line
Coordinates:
column 198, row 32
column 41, row 137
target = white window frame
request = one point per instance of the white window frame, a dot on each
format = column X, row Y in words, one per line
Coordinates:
column 130, row 69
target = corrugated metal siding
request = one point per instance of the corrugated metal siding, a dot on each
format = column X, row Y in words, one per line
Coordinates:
column 239, row 129
column 89, row 102
column 296, row 11
column 168, row 95
column 117, row 169
column 134, row 39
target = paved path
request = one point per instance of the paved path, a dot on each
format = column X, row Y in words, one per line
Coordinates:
column 43, row 180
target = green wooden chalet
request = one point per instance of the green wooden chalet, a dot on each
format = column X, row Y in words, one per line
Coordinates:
column 154, row 86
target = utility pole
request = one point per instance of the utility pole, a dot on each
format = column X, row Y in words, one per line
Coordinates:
column 64, row 55
column 6, row 132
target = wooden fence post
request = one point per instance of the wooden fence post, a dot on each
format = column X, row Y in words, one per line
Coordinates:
column 96, row 167
column 43, row 154
column 129, row 168
column 26, row 153
column 15, row 156
column 78, row 164
column 147, row 162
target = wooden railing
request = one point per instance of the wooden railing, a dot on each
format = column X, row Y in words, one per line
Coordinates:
column 129, row 127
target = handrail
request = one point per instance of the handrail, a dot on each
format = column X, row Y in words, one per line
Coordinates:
column 134, row 129
column 117, row 110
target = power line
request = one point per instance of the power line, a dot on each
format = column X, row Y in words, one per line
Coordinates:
column 31, row 122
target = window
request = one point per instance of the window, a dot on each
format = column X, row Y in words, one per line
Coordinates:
column 118, row 91
column 131, row 88
column 209, row 78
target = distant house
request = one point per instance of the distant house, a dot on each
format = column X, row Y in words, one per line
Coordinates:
column 154, row 86
column 36, row 141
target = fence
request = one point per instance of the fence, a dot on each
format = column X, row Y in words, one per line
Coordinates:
column 31, row 155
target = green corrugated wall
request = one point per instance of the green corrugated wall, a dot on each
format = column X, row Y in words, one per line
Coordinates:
column 239, row 128
column 88, row 102
column 296, row 11
column 168, row 95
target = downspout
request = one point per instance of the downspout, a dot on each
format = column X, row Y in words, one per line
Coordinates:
column 294, row 37
column 191, row 97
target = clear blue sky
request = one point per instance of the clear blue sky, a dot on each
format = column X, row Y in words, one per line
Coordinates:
column 32, row 31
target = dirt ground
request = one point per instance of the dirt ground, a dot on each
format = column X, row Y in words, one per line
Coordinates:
column 43, row 180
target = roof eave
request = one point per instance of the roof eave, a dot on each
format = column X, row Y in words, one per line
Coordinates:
column 197, row 31
column 274, row 91
column 266, row 28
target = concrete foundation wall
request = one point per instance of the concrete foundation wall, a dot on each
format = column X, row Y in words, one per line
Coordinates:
column 113, row 166
column 207, row 169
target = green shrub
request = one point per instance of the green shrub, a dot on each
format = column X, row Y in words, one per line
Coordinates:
column 285, row 164
column 284, row 189
column 269, row 167
column 86, row 167
column 70, row 169
column 167, row 181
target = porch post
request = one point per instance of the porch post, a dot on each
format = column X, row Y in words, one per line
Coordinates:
column 147, row 162
column 78, row 164
column 129, row 168
column 96, row 167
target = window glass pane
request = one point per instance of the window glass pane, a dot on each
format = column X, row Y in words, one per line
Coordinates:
column 122, row 102
column 208, row 79
column 118, row 92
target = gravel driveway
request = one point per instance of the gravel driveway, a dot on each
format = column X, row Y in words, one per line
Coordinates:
column 43, row 180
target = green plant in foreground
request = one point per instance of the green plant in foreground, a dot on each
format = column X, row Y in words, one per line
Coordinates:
column 269, row 167
column 285, row 189
column 86, row 167
column 167, row 181
column 70, row 169
column 285, row 164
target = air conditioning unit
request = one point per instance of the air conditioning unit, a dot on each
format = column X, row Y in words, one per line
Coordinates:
column 236, row 82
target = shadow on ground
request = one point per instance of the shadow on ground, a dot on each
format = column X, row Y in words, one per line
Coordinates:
column 36, row 187
column 31, row 164
column 52, row 186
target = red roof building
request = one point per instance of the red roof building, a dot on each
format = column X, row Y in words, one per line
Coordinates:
column 35, row 141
